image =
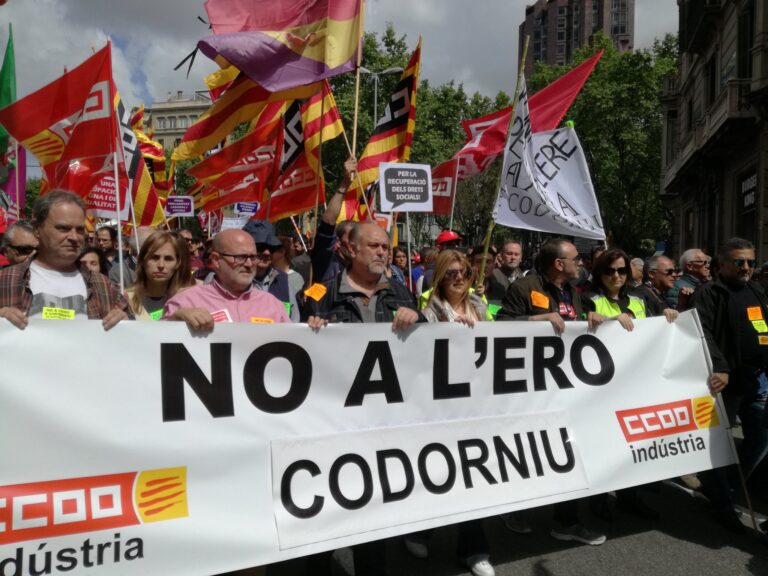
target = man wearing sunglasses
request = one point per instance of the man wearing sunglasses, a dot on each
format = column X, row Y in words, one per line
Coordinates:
column 659, row 277
column 733, row 311
column 230, row 297
column 19, row 243
column 695, row 265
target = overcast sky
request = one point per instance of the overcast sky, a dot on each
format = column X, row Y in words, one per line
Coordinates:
column 472, row 42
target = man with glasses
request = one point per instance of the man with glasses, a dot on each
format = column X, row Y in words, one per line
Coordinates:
column 549, row 296
column 230, row 297
column 19, row 243
column 659, row 277
column 694, row 264
column 733, row 311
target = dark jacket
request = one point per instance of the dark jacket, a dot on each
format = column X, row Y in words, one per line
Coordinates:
column 521, row 299
column 711, row 302
column 326, row 263
column 335, row 306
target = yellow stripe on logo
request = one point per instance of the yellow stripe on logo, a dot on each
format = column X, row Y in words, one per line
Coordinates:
column 704, row 412
column 161, row 494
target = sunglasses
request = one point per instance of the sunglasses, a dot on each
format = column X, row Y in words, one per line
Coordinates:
column 739, row 262
column 667, row 272
column 620, row 271
column 702, row 262
column 23, row 250
column 453, row 275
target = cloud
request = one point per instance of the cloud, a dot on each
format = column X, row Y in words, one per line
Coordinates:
column 474, row 43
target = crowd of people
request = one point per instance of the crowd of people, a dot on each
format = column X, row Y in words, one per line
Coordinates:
column 353, row 274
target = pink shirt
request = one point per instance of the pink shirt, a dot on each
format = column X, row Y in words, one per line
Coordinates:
column 252, row 306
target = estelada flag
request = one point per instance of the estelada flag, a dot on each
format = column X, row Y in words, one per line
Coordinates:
column 70, row 127
column 391, row 139
column 280, row 45
column 487, row 135
column 444, row 180
column 242, row 102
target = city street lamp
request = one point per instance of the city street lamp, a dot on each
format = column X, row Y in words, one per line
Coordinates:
column 375, row 75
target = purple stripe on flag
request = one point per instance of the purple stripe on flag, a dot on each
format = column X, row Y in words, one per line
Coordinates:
column 268, row 61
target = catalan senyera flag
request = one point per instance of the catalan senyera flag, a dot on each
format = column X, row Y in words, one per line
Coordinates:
column 282, row 44
column 391, row 139
column 69, row 125
column 146, row 204
column 218, row 82
column 319, row 111
column 242, row 102
column 153, row 154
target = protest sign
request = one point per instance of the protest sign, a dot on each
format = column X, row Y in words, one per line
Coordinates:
column 244, row 208
column 259, row 443
column 180, row 206
column 545, row 181
column 405, row 187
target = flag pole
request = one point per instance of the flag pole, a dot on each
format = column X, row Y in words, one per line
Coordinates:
column 357, row 174
column 116, row 143
column 319, row 165
column 361, row 16
column 455, row 193
column 16, row 176
column 492, row 222
column 410, row 264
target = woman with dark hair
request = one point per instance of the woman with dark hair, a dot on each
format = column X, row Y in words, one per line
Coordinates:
column 452, row 301
column 162, row 270
column 93, row 260
column 399, row 266
column 610, row 297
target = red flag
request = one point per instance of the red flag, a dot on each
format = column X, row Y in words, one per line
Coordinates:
column 548, row 106
column 70, row 127
column 444, row 180
column 487, row 135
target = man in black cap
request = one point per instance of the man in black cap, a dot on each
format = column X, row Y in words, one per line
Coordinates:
column 268, row 278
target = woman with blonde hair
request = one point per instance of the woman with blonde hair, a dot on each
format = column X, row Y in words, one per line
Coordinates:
column 162, row 270
column 451, row 299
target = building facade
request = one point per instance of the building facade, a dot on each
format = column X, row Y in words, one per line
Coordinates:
column 715, row 137
column 557, row 28
column 170, row 119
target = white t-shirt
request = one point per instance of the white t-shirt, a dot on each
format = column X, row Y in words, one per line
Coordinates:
column 57, row 295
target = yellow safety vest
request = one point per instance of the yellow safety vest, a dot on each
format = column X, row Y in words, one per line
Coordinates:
column 610, row 308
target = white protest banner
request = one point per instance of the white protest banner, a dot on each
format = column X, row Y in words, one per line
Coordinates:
column 405, row 187
column 545, row 181
column 255, row 443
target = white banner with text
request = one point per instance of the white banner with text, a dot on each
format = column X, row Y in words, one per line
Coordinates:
column 150, row 450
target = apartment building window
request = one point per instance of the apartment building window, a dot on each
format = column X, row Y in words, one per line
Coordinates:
column 182, row 122
column 712, row 83
column 172, row 122
column 561, row 21
column 671, row 140
column 562, row 10
column 746, row 39
column 160, row 123
column 561, row 35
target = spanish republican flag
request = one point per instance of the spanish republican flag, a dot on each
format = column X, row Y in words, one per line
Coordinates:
column 279, row 44
column 70, row 127
column 391, row 139
column 242, row 102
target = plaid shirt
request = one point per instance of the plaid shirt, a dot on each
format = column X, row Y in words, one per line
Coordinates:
column 336, row 306
column 102, row 295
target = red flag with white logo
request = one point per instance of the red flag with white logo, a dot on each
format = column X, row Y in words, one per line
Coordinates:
column 444, row 180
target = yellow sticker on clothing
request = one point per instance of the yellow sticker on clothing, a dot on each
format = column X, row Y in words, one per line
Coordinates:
column 762, row 340
column 257, row 320
column 58, row 313
column 755, row 313
column 539, row 300
column 760, row 326
column 316, row 291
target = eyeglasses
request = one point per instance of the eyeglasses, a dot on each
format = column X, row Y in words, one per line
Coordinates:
column 238, row 259
column 453, row 275
column 667, row 272
column 23, row 250
column 739, row 262
column 678, row 270
column 620, row 271
column 702, row 262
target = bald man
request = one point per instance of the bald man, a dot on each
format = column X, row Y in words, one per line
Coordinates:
column 230, row 297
